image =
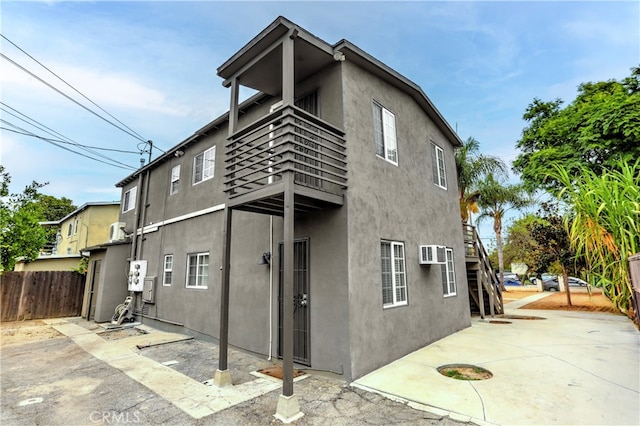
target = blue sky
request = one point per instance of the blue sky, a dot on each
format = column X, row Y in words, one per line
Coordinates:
column 151, row 64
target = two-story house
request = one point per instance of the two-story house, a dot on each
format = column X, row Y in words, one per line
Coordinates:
column 86, row 226
column 295, row 225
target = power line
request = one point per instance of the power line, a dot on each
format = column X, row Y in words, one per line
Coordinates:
column 69, row 97
column 74, row 89
column 52, row 141
column 52, row 132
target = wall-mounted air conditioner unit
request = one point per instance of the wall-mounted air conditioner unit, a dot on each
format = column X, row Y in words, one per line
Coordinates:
column 116, row 231
column 432, row 255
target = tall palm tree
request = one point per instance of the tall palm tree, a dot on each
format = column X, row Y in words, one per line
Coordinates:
column 494, row 201
column 471, row 167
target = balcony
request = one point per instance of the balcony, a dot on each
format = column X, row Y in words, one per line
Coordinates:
column 288, row 140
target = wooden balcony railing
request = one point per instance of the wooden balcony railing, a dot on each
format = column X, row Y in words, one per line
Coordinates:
column 288, row 139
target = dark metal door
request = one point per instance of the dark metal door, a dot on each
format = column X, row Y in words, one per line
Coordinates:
column 301, row 301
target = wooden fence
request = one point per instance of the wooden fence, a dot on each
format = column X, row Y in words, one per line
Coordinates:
column 40, row 294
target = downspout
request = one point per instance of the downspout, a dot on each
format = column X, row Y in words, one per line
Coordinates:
column 134, row 243
column 271, row 287
column 143, row 214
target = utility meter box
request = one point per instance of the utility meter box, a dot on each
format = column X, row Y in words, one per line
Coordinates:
column 137, row 274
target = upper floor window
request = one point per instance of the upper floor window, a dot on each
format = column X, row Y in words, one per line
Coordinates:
column 75, row 226
column 448, row 275
column 168, row 269
column 384, row 130
column 69, row 229
column 437, row 164
column 198, row 270
column 175, row 179
column 129, row 199
column 394, row 281
column 204, row 165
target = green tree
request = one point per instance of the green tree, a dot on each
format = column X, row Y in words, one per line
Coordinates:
column 600, row 128
column 604, row 223
column 471, row 168
column 552, row 244
column 496, row 198
column 20, row 214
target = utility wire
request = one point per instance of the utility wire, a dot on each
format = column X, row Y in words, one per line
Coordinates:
column 65, row 142
column 70, row 98
column 137, row 135
column 52, row 132
column 51, row 141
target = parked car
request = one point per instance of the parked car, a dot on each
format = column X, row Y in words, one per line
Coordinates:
column 577, row 282
column 550, row 284
column 511, row 281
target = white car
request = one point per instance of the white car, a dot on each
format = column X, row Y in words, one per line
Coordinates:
column 577, row 282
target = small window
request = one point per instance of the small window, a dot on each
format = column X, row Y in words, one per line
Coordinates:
column 168, row 269
column 448, row 275
column 394, row 282
column 204, row 165
column 175, row 180
column 384, row 130
column 437, row 163
column 197, row 270
column 129, row 199
column 69, row 229
column 68, row 250
column 75, row 226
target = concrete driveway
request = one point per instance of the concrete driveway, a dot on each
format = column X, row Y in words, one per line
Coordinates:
column 570, row 368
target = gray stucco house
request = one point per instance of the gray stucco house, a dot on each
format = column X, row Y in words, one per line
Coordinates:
column 318, row 190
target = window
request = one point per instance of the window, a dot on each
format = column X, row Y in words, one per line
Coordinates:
column 448, row 275
column 75, row 226
column 70, row 229
column 198, row 270
column 394, row 282
column 437, row 163
column 168, row 269
column 175, row 180
column 68, row 250
column 384, row 130
column 204, row 165
column 129, row 200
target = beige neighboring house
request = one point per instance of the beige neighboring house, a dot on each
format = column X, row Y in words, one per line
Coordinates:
column 89, row 225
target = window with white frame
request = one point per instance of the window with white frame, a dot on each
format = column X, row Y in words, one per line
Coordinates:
column 69, row 229
column 204, row 165
column 394, row 280
column 175, row 179
column 384, row 130
column 168, row 270
column 129, row 199
column 448, row 275
column 75, row 226
column 437, row 164
column 197, row 270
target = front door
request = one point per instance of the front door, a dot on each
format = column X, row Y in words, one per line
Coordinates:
column 301, row 301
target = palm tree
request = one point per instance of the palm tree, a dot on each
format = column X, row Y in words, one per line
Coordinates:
column 471, row 167
column 495, row 199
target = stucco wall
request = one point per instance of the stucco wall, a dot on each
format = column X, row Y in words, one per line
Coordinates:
column 92, row 229
column 397, row 203
column 112, row 287
column 50, row 263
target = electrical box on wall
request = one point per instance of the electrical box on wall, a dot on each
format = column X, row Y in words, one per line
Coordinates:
column 137, row 274
column 149, row 291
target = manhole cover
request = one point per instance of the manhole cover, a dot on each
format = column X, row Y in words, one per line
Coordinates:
column 465, row 372
column 499, row 322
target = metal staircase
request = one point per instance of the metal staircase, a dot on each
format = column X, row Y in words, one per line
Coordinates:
column 485, row 295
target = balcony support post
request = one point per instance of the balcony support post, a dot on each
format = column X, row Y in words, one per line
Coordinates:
column 233, row 107
column 223, row 375
column 288, row 71
column 288, row 407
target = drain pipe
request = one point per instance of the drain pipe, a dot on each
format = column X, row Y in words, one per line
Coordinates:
column 271, row 288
